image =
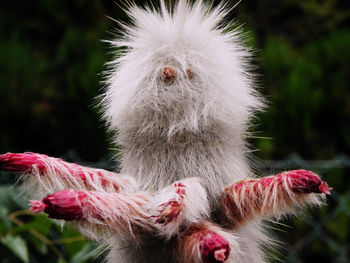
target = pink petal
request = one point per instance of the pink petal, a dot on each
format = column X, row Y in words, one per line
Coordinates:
column 325, row 189
column 37, row 206
column 220, row 254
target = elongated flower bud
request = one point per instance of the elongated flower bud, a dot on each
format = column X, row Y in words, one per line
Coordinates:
column 119, row 213
column 18, row 162
column 299, row 181
column 57, row 174
column 272, row 195
column 66, row 204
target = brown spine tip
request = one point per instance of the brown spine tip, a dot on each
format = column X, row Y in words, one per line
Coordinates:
column 189, row 73
column 169, row 74
column 169, row 212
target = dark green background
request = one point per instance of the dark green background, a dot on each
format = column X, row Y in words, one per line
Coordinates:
column 51, row 57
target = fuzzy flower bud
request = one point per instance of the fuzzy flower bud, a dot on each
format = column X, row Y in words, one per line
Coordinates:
column 68, row 175
column 17, row 162
column 299, row 181
column 214, row 248
column 66, row 204
column 306, row 182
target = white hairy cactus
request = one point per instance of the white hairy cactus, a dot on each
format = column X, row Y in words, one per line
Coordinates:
column 180, row 97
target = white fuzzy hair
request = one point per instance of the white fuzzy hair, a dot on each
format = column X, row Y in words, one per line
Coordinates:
column 193, row 127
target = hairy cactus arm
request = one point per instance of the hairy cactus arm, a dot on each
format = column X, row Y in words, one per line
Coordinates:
column 53, row 174
column 270, row 196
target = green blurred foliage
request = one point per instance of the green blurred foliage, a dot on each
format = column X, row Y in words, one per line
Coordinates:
column 303, row 54
column 27, row 237
column 51, row 57
column 310, row 98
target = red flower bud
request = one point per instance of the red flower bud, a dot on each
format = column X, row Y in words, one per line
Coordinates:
column 214, row 248
column 45, row 165
column 66, row 204
column 306, row 182
column 20, row 162
column 299, row 181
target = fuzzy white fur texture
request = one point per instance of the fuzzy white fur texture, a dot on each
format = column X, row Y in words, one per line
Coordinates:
column 195, row 126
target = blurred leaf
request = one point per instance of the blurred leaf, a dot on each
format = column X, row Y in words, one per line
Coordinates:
column 11, row 197
column 61, row 260
column 4, row 216
column 40, row 223
column 87, row 252
column 72, row 244
column 40, row 246
column 18, row 246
